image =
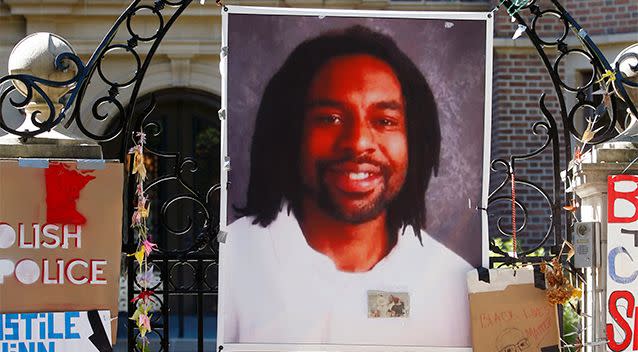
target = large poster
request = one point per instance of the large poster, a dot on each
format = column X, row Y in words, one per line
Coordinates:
column 355, row 158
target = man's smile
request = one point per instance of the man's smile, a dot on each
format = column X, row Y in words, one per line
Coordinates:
column 353, row 181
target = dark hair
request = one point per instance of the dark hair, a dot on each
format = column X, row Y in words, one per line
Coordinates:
column 275, row 164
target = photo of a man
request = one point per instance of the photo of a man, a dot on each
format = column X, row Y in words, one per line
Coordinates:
column 328, row 244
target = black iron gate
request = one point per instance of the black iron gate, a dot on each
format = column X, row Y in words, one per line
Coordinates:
column 186, row 195
column 183, row 179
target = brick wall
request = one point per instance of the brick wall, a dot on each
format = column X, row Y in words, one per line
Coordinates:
column 596, row 16
column 519, row 80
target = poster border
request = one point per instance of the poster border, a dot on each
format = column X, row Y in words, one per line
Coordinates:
column 268, row 347
column 486, row 16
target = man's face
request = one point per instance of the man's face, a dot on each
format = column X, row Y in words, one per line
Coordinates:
column 354, row 152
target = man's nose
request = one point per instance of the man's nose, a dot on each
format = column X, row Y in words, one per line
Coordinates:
column 357, row 138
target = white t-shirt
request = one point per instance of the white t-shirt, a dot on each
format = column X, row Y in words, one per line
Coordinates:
column 278, row 289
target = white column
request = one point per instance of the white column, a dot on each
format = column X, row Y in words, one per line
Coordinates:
column 589, row 179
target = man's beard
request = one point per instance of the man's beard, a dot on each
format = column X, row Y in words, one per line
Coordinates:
column 365, row 213
column 368, row 211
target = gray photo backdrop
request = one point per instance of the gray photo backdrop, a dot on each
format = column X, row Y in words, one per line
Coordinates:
column 451, row 55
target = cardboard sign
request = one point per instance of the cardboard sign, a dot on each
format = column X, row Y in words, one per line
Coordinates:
column 51, row 332
column 622, row 269
column 509, row 313
column 60, row 237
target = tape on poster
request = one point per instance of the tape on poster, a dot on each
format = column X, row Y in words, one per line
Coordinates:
column 91, row 164
column 34, row 163
column 483, row 274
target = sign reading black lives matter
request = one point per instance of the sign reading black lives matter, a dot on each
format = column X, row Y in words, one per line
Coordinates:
column 356, row 151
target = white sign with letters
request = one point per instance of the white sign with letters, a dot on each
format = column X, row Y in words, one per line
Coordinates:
column 56, row 332
column 622, row 262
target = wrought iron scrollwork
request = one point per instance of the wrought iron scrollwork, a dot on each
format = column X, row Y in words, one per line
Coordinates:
column 32, row 86
column 507, row 168
column 198, row 259
column 112, row 125
column 615, row 95
column 186, row 270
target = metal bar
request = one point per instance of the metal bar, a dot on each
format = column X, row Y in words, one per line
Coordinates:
column 165, row 311
column 200, row 307
column 130, row 264
column 180, row 310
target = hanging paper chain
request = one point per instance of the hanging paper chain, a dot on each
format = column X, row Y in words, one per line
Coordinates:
column 514, row 249
column 139, row 220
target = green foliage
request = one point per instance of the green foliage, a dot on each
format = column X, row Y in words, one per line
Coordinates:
column 570, row 327
column 207, row 141
column 507, row 245
column 143, row 345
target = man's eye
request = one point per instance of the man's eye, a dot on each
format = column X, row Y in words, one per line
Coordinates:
column 386, row 122
column 331, row 119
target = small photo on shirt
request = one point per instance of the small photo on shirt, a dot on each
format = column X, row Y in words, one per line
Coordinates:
column 383, row 304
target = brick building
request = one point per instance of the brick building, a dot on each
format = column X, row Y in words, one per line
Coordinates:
column 520, row 78
column 184, row 71
column 191, row 48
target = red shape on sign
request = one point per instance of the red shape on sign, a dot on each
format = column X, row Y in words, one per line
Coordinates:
column 612, row 195
column 620, row 320
column 63, row 191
